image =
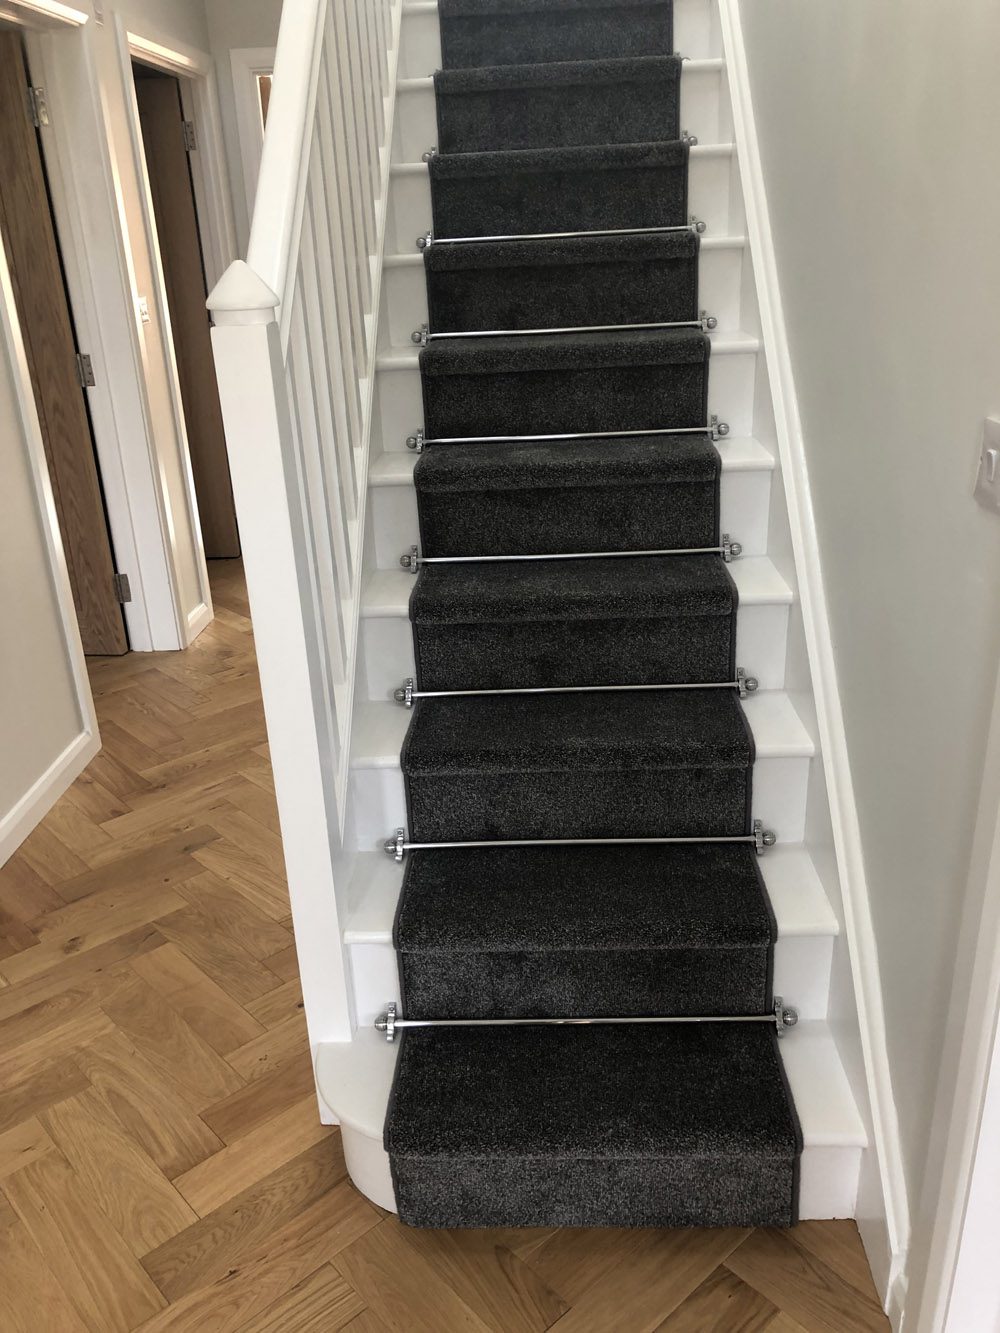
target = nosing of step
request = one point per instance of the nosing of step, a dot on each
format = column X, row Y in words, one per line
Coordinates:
column 428, row 239
column 414, row 561
column 407, row 693
column 716, row 430
column 705, row 322
column 760, row 839
column 781, row 1017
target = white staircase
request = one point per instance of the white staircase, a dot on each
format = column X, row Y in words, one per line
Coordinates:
column 354, row 1064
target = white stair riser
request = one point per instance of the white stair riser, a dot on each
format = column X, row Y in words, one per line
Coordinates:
column 416, row 119
column 387, row 643
column 780, row 786
column 404, row 295
column 695, row 36
column 828, row 1177
column 709, row 197
column 400, row 405
column 801, row 975
column 744, row 503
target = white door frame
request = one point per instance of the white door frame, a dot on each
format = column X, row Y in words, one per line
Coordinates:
column 247, row 63
column 953, row 1283
column 90, row 218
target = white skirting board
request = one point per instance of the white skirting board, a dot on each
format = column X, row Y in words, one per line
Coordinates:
column 884, row 1222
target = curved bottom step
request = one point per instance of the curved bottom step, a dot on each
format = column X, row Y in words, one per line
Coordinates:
column 354, row 1080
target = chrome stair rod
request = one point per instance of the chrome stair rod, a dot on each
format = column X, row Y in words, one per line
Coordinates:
column 428, row 239
column 716, row 429
column 760, row 839
column 780, row 1018
column 705, row 322
column 407, row 694
column 414, row 561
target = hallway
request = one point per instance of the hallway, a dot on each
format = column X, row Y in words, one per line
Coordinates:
column 161, row 1161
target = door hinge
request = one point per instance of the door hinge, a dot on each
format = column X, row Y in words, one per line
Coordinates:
column 123, row 589
column 190, row 137
column 38, row 107
column 85, row 371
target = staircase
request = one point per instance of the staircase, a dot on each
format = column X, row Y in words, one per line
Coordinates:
column 623, row 721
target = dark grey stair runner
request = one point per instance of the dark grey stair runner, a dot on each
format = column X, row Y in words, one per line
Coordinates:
column 582, row 1125
column 585, row 280
column 507, row 32
column 625, row 494
column 630, row 380
column 588, row 622
column 622, row 765
column 561, row 105
column 584, row 931
column 592, row 1126
column 560, row 189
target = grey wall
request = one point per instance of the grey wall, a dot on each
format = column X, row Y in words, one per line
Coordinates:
column 878, row 135
column 233, row 24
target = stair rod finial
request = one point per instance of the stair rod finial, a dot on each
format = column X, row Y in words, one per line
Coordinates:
column 396, row 845
column 416, row 441
column 762, row 837
column 411, row 560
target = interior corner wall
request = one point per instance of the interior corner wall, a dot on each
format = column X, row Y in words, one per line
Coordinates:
column 45, row 736
column 232, row 25
column 877, row 128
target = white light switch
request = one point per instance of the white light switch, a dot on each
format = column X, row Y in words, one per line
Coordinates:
column 988, row 479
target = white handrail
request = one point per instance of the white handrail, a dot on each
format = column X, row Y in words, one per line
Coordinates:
column 286, row 142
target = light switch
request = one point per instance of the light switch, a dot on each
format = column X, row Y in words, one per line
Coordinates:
column 144, row 309
column 988, row 478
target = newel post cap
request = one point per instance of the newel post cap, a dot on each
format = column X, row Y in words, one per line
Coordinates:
column 241, row 296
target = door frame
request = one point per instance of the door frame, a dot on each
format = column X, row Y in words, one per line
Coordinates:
column 89, row 211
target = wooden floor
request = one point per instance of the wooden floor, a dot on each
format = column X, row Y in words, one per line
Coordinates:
column 162, row 1165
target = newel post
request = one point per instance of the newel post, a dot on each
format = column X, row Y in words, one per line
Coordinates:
column 262, row 451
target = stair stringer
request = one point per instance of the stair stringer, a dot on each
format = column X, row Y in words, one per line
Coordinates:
column 812, row 963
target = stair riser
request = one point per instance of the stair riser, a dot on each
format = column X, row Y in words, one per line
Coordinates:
column 535, row 654
column 585, row 982
column 780, row 786
column 828, row 1176
column 591, row 398
column 730, row 1192
column 744, row 500
column 709, row 198
column 400, row 403
column 387, row 643
column 404, row 295
column 695, row 35
column 801, row 975
column 416, row 121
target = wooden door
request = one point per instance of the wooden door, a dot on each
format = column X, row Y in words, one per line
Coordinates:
column 162, row 119
column 50, row 346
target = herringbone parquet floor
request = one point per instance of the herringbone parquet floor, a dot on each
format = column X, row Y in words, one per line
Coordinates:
column 161, row 1161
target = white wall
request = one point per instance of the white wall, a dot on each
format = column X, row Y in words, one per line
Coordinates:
column 235, row 24
column 877, row 129
column 47, row 730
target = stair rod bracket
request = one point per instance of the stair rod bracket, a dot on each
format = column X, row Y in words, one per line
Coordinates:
column 429, row 154
column 416, row 441
column 782, row 1017
column 414, row 561
column 760, row 839
column 407, row 694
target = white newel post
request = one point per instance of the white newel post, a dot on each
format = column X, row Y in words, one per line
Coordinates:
column 252, row 386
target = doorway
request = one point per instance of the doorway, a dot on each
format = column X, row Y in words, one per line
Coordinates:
column 167, row 141
column 58, row 370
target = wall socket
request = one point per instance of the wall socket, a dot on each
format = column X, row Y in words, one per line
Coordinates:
column 987, row 490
